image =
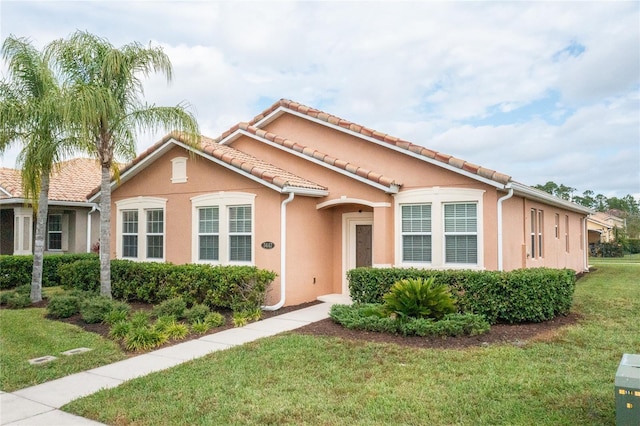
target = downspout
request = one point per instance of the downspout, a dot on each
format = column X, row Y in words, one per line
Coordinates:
column 93, row 209
column 283, row 254
column 585, row 245
column 500, row 200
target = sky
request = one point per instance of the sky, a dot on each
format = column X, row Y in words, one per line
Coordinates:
column 541, row 91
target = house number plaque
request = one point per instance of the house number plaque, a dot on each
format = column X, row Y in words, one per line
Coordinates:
column 268, row 245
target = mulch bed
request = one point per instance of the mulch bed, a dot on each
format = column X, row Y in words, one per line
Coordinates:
column 516, row 334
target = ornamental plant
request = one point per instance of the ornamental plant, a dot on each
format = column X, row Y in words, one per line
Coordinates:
column 418, row 298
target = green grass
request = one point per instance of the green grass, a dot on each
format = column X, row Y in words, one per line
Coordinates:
column 26, row 334
column 628, row 258
column 564, row 378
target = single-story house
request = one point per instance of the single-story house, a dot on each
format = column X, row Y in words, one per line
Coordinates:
column 73, row 222
column 310, row 196
column 601, row 227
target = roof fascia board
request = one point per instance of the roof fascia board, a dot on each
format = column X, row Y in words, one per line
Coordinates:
column 276, row 113
column 305, row 191
column 534, row 194
column 392, row 189
column 50, row 202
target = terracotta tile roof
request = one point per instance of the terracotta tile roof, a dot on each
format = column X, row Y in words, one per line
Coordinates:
column 237, row 159
column 312, row 153
column 71, row 180
column 383, row 137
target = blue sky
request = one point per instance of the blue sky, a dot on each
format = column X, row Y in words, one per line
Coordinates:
column 537, row 90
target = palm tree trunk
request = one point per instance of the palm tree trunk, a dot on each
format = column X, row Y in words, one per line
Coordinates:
column 105, row 232
column 41, row 233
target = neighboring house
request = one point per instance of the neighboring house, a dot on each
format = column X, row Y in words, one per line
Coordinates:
column 73, row 223
column 311, row 196
column 601, row 227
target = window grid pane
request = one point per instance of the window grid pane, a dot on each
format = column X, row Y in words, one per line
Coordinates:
column 130, row 233
column 155, row 233
column 416, row 248
column 54, row 232
column 461, row 249
column 55, row 223
column 209, row 220
column 240, row 219
column 209, row 247
column 460, row 229
column 416, row 218
column 155, row 221
column 240, row 248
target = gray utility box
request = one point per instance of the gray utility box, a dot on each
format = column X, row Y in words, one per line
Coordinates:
column 628, row 391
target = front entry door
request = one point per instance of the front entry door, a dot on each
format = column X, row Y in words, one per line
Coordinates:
column 357, row 231
column 364, row 240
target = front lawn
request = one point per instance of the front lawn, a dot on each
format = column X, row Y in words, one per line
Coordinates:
column 25, row 334
column 565, row 377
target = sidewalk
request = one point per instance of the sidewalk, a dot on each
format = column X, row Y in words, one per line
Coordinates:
column 38, row 405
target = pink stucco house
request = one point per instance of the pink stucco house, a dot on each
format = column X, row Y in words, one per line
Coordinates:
column 310, row 196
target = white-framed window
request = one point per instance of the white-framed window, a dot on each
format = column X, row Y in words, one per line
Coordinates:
column 208, row 233
column 566, row 233
column 557, row 226
column 54, row 232
column 537, row 233
column 140, row 228
column 439, row 228
column 223, row 228
column 416, row 233
column 461, row 233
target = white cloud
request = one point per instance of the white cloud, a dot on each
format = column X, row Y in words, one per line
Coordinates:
column 437, row 73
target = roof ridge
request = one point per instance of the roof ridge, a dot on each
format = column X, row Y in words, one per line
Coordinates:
column 319, row 155
column 382, row 137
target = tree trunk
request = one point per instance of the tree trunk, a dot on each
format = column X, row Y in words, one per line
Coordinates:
column 105, row 232
column 41, row 234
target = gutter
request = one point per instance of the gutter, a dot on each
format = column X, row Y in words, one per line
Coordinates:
column 93, row 209
column 283, row 254
column 500, row 250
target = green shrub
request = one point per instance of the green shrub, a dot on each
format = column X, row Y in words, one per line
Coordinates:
column 15, row 300
column 536, row 294
column 200, row 327
column 17, row 270
column 143, row 338
column 95, row 309
column 140, row 319
column 241, row 318
column 115, row 316
column 418, row 298
column 23, row 289
column 633, row 245
column 197, row 312
column 174, row 307
column 119, row 329
column 176, row 331
column 80, row 275
column 63, row 306
column 368, row 317
column 214, row 319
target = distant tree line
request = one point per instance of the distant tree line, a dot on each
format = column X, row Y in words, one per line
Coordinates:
column 627, row 207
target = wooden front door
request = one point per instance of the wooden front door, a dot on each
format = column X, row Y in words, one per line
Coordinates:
column 364, row 240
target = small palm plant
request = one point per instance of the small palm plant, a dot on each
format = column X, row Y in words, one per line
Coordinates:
column 418, row 298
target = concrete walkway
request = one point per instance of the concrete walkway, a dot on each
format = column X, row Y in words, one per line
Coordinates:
column 38, row 405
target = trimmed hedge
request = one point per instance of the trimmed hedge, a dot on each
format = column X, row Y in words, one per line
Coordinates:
column 235, row 287
column 17, row 270
column 523, row 295
column 633, row 245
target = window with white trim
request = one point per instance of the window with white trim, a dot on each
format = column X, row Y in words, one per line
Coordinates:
column 223, row 227
column 557, row 226
column 208, row 233
column 240, row 234
column 439, row 228
column 155, row 233
column 130, row 233
column 537, row 227
column 566, row 233
column 140, row 228
column 416, row 233
column 461, row 233
column 54, row 232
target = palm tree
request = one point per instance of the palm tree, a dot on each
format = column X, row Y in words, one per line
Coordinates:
column 31, row 112
column 106, row 83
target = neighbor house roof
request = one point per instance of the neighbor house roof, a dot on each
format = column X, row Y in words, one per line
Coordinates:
column 379, row 136
column 71, row 180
